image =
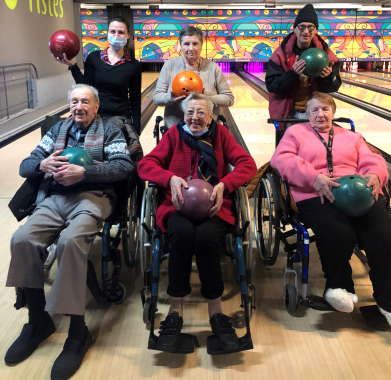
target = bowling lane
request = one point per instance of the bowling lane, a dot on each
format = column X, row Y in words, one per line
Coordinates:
column 366, row 95
column 375, row 129
column 147, row 79
column 250, row 112
column 368, row 80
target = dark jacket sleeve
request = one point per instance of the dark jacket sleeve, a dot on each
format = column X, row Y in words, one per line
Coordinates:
column 279, row 81
column 88, row 77
column 332, row 82
column 135, row 96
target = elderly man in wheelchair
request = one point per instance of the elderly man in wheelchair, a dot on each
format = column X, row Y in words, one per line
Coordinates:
column 77, row 199
column 197, row 147
column 310, row 157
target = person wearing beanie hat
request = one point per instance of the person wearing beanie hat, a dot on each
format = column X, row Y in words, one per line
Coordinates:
column 289, row 90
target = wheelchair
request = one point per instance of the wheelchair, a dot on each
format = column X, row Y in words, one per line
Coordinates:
column 125, row 218
column 275, row 220
column 154, row 250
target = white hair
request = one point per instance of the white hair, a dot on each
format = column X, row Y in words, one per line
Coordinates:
column 196, row 96
column 92, row 89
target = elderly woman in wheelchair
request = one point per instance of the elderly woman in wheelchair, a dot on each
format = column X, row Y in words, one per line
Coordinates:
column 197, row 147
column 310, row 157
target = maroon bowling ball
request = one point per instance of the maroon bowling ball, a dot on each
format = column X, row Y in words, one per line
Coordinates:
column 64, row 41
column 197, row 200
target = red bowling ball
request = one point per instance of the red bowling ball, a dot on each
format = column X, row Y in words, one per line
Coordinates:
column 64, row 41
column 197, row 200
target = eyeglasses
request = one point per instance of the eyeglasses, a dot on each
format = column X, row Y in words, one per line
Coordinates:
column 191, row 113
column 310, row 28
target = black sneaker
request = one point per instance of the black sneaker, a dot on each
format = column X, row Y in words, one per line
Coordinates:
column 170, row 330
column 222, row 328
column 27, row 342
column 71, row 357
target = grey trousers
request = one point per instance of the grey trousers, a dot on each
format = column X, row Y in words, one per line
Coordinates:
column 81, row 215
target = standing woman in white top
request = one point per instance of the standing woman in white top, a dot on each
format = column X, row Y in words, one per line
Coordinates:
column 215, row 85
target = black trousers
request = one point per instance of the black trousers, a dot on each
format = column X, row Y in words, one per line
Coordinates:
column 203, row 240
column 337, row 235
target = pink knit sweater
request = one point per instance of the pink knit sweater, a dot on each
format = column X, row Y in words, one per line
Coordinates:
column 173, row 157
column 301, row 156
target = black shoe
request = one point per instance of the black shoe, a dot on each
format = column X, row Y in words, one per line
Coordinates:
column 222, row 328
column 170, row 330
column 71, row 357
column 27, row 342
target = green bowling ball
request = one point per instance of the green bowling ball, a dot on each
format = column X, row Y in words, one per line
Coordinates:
column 78, row 156
column 353, row 197
column 315, row 61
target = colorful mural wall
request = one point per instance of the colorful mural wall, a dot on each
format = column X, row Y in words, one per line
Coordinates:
column 245, row 35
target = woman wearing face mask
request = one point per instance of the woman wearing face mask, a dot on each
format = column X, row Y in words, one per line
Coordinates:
column 216, row 87
column 114, row 74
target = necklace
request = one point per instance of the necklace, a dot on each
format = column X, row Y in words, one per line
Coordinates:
column 199, row 65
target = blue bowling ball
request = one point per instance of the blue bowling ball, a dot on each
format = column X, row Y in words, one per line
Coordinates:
column 78, row 156
column 353, row 197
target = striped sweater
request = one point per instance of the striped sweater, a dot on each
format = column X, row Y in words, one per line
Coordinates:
column 117, row 163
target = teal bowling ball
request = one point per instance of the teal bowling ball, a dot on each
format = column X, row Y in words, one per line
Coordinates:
column 353, row 197
column 315, row 61
column 78, row 156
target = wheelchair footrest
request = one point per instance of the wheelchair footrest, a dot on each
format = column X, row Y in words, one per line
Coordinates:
column 373, row 316
column 316, row 303
column 186, row 344
column 214, row 348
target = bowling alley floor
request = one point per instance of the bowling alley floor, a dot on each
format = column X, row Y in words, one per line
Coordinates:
column 306, row 346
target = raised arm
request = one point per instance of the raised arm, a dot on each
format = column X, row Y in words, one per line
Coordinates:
column 279, row 81
column 89, row 72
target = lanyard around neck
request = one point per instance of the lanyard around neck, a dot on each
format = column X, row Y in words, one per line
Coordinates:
column 329, row 147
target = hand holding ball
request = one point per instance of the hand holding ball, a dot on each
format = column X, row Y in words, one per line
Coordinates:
column 315, row 61
column 197, row 200
column 78, row 156
column 186, row 82
column 64, row 42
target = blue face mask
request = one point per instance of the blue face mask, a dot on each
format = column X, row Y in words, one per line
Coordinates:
column 117, row 43
column 198, row 134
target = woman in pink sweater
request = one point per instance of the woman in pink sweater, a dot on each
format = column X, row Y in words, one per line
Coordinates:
column 301, row 159
column 196, row 147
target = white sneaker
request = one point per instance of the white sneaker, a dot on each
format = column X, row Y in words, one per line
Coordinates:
column 387, row 314
column 340, row 299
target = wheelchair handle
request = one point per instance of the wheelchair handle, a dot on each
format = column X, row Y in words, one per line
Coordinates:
column 340, row 120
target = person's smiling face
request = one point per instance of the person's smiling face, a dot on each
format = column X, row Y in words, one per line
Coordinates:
column 197, row 115
column 305, row 32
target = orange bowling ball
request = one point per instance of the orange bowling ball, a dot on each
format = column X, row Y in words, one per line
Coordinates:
column 186, row 82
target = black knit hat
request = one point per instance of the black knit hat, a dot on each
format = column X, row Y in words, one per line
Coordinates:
column 307, row 14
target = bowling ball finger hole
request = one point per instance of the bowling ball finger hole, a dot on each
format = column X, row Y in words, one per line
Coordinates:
column 184, row 89
column 351, row 177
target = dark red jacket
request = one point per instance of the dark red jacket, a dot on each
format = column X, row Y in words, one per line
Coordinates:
column 173, row 157
column 285, row 57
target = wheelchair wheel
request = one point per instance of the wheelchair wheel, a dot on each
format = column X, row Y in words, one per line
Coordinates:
column 291, row 300
column 119, row 295
column 244, row 215
column 148, row 209
column 130, row 246
column 147, row 311
column 266, row 223
column 52, row 255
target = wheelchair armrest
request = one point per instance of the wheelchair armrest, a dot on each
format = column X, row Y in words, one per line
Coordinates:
column 152, row 184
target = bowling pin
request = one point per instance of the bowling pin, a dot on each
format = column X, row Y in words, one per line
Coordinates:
column 389, row 66
column 384, row 66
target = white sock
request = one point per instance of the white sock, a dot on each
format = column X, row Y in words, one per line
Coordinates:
column 340, row 299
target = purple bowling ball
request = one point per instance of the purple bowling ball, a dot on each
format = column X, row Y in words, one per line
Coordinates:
column 197, row 200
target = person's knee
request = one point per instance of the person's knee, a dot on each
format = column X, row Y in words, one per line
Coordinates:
column 337, row 235
column 20, row 240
